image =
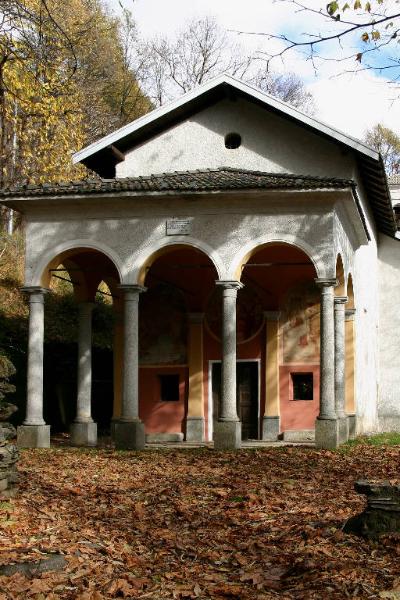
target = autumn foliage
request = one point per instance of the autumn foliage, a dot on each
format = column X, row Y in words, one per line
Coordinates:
column 253, row 524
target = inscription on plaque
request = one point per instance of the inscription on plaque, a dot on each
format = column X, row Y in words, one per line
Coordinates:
column 177, row 226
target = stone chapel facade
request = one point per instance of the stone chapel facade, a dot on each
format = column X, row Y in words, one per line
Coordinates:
column 252, row 257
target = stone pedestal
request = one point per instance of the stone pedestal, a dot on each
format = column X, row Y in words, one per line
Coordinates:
column 84, row 434
column 382, row 513
column 326, row 433
column 351, row 424
column 270, row 428
column 129, row 435
column 227, row 435
column 33, row 436
column 195, row 429
column 343, row 429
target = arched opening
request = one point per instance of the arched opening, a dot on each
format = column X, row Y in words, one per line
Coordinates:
column 340, row 288
column 173, row 399
column 281, row 280
column 83, row 282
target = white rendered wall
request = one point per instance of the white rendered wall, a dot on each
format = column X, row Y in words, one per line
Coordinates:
column 389, row 328
column 269, row 143
column 361, row 262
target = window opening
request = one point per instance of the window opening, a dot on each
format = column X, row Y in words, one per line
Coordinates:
column 232, row 141
column 169, row 388
column 302, row 386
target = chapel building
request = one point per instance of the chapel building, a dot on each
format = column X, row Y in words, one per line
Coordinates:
column 252, row 256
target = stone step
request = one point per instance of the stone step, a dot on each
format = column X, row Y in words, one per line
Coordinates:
column 299, row 435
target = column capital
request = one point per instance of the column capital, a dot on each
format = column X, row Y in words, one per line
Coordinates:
column 340, row 300
column 34, row 289
column 349, row 314
column 326, row 282
column 272, row 315
column 132, row 288
column 229, row 284
column 196, row 318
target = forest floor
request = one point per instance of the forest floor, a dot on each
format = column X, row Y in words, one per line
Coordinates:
column 194, row 523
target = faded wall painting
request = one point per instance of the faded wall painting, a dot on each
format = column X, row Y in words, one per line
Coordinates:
column 300, row 325
column 162, row 326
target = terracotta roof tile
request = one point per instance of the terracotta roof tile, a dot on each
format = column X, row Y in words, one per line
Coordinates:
column 187, row 181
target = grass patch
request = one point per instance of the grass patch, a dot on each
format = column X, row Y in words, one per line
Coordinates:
column 390, row 438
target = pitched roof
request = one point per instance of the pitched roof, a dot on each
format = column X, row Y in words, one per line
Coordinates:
column 103, row 155
column 222, row 179
column 204, row 95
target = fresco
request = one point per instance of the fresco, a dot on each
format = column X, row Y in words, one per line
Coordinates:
column 249, row 317
column 162, row 326
column 300, row 325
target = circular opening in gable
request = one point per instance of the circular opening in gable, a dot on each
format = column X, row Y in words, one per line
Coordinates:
column 232, row 141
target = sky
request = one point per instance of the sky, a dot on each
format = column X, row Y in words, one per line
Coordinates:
column 349, row 102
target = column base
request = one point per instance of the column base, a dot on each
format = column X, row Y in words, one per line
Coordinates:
column 270, row 428
column 326, row 433
column 343, row 430
column 227, row 435
column 83, row 434
column 352, row 425
column 114, row 421
column 195, row 429
column 33, row 436
column 129, row 435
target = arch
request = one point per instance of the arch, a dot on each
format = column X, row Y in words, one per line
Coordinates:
column 340, row 276
column 350, row 292
column 146, row 259
column 37, row 278
column 235, row 271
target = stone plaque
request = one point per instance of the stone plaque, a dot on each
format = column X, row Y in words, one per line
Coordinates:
column 179, row 226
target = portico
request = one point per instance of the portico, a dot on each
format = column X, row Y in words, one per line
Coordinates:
column 233, row 316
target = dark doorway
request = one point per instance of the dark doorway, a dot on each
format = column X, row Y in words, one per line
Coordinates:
column 246, row 396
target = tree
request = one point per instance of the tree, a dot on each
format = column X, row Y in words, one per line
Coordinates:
column 370, row 27
column 287, row 87
column 65, row 79
column 7, row 370
column 387, row 143
column 202, row 51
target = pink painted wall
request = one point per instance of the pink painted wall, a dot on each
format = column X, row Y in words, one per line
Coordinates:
column 297, row 414
column 160, row 416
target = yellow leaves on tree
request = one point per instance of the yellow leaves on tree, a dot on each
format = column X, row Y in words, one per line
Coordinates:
column 63, row 80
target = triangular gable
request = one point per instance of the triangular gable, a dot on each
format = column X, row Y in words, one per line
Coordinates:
column 103, row 155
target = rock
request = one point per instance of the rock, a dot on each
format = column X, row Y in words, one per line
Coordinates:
column 6, row 410
column 382, row 513
column 54, row 562
column 7, row 431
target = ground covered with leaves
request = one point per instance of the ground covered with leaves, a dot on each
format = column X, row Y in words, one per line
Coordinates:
column 252, row 524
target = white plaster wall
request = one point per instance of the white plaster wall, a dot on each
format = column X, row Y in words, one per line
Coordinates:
column 269, row 143
column 389, row 334
column 361, row 262
column 130, row 230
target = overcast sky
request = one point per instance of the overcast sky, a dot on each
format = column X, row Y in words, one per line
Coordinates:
column 351, row 103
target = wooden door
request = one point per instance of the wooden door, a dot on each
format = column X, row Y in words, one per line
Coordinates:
column 246, row 396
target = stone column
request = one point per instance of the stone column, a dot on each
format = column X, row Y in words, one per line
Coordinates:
column 326, row 426
column 271, row 419
column 228, row 429
column 340, row 368
column 34, row 433
column 195, row 411
column 350, row 372
column 83, row 429
column 129, row 430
